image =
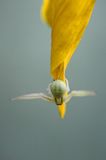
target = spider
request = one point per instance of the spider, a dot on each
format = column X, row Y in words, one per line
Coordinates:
column 58, row 92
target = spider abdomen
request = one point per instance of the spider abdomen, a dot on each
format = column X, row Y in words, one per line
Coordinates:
column 58, row 88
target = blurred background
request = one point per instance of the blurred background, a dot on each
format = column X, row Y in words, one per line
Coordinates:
column 33, row 129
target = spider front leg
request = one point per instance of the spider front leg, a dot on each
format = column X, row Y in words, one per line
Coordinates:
column 78, row 93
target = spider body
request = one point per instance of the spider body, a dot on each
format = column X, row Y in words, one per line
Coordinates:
column 58, row 89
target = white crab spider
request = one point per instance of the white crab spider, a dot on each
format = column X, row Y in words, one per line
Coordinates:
column 58, row 92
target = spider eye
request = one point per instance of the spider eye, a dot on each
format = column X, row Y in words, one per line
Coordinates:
column 58, row 88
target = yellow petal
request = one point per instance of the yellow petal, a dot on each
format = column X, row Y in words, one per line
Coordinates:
column 68, row 20
column 62, row 110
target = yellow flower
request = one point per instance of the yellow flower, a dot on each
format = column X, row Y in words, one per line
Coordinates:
column 68, row 20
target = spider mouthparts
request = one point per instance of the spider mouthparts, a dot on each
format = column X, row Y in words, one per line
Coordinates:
column 59, row 100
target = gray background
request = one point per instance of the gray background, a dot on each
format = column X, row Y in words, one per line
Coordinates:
column 32, row 129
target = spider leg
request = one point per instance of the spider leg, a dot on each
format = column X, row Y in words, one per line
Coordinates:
column 67, row 84
column 34, row 96
column 78, row 93
column 67, row 98
column 82, row 93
